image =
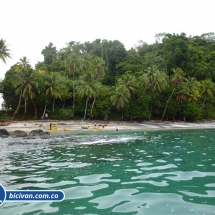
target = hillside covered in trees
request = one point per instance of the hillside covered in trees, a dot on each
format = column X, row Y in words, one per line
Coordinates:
column 172, row 79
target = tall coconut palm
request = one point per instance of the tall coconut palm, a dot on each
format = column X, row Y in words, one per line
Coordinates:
column 129, row 81
column 191, row 85
column 54, row 87
column 4, row 51
column 86, row 89
column 176, row 79
column 188, row 90
column 21, row 67
column 194, row 95
column 28, row 86
column 98, row 86
column 155, row 81
column 98, row 68
column 72, row 66
column 181, row 94
column 119, row 96
column 98, row 72
column 84, row 62
column 206, row 89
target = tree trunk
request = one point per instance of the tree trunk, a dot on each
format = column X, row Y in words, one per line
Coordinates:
column 131, row 109
column 53, row 105
column 106, row 114
column 44, row 112
column 150, row 113
column 35, row 109
column 122, row 114
column 25, row 109
column 167, row 103
column 91, row 112
column 17, row 109
column 204, row 102
column 85, row 112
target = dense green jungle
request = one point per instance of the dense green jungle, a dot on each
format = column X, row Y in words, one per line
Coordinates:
column 171, row 79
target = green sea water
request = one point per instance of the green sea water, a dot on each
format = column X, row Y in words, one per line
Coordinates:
column 161, row 172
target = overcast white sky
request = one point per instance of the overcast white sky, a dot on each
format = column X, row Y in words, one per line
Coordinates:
column 29, row 25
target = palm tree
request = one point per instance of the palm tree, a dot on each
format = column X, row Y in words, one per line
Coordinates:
column 21, row 68
column 28, row 87
column 87, row 88
column 54, row 87
column 155, row 81
column 73, row 62
column 119, row 96
column 206, row 89
column 22, row 65
column 191, row 85
column 181, row 95
column 188, row 90
column 98, row 68
column 85, row 62
column 129, row 81
column 98, row 86
column 176, row 79
column 98, row 71
column 193, row 96
column 4, row 51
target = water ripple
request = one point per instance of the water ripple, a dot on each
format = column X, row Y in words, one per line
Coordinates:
column 158, row 173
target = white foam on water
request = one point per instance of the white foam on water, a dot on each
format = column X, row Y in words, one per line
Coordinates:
column 103, row 140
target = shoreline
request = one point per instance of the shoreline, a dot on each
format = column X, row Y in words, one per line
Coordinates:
column 65, row 126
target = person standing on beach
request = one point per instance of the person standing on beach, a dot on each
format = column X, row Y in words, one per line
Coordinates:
column 117, row 129
column 50, row 126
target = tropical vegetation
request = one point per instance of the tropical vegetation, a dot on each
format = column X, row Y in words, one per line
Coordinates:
column 171, row 79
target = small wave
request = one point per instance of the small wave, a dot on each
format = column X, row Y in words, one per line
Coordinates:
column 105, row 140
column 82, row 140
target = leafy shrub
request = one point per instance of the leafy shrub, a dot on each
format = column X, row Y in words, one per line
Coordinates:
column 192, row 112
column 61, row 113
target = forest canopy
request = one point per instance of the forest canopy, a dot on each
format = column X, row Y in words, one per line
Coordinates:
column 171, row 79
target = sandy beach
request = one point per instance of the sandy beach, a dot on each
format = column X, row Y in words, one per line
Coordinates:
column 76, row 125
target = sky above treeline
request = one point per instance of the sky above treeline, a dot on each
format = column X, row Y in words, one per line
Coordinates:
column 29, row 26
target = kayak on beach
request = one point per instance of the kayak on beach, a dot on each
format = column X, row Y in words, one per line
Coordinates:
column 65, row 129
column 85, row 126
column 53, row 129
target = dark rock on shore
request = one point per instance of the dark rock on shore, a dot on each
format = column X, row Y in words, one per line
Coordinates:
column 18, row 133
column 4, row 132
column 38, row 132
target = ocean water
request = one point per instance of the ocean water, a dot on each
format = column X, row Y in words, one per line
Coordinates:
column 161, row 172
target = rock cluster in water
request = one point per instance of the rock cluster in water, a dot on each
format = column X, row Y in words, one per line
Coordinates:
column 18, row 133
